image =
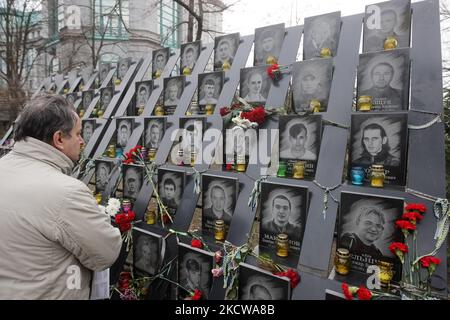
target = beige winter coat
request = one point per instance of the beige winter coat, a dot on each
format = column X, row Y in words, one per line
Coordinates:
column 51, row 229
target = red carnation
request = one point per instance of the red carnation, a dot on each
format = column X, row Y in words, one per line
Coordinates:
column 131, row 215
column 224, row 111
column 429, row 261
column 196, row 243
column 125, row 226
column 229, row 167
column 412, row 216
column 257, row 115
column 364, row 293
column 120, row 218
column 273, row 71
column 346, row 291
column 197, row 295
column 405, row 225
column 292, row 275
column 398, row 246
column 128, row 161
column 420, row 207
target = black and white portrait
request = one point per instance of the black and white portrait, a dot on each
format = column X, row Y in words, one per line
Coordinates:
column 103, row 72
column 124, row 130
column 387, row 19
column 384, row 76
column 154, row 132
column 219, row 199
column 159, row 60
column 102, row 173
column 268, row 42
column 133, row 178
column 254, row 84
column 173, row 89
column 143, row 91
column 71, row 97
column 210, row 86
column 299, row 140
column 147, row 252
column 258, row 284
column 321, row 32
column 192, row 129
column 106, row 95
column 380, row 138
column 283, row 210
column 88, row 130
column 238, row 143
column 189, row 54
column 311, row 81
column 122, row 67
column 367, row 228
column 194, row 271
column 87, row 97
column 170, row 188
column 225, row 48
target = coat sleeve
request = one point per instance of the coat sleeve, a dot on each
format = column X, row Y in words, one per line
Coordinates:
column 87, row 232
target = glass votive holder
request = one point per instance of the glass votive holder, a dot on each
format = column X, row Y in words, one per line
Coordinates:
column 390, row 43
column 325, row 52
column 209, row 109
column 119, row 152
column 314, row 105
column 151, row 154
column 226, row 65
column 282, row 245
column 299, row 170
column 386, row 273
column 150, row 218
column 159, row 111
column 342, row 261
column 281, row 169
column 240, row 163
column 271, row 60
column 357, row 176
column 219, row 230
column 187, row 71
column 364, row 103
column 377, row 176
column 111, row 151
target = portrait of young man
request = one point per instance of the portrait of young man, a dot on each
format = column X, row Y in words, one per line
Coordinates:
column 154, row 131
column 384, row 76
column 173, row 89
column 88, row 130
column 268, row 42
column 143, row 91
column 106, row 97
column 225, row 48
column 254, row 86
column 87, row 98
column 189, row 55
column 170, row 188
column 122, row 67
column 147, row 251
column 367, row 227
column 394, row 21
column 380, row 139
column 321, row 32
column 103, row 72
column 102, row 172
column 160, row 58
column 210, row 88
column 132, row 181
column 124, row 130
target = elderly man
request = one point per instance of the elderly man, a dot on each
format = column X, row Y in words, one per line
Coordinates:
column 58, row 233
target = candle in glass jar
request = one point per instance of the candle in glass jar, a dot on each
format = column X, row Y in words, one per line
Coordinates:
column 282, row 245
column 377, row 176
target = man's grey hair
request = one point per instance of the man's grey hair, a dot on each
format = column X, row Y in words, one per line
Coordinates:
column 43, row 116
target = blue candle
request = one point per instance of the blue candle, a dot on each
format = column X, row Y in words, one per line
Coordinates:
column 357, row 175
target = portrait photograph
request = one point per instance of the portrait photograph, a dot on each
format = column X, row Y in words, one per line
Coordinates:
column 147, row 252
column 219, row 196
column 194, row 271
column 299, row 140
column 133, row 179
column 124, row 130
column 159, row 60
column 258, row 284
column 103, row 71
column 106, row 95
column 254, row 84
column 142, row 93
column 380, row 138
column 122, row 67
column 154, row 132
column 173, row 89
column 311, row 80
column 387, row 19
column 210, row 87
column 321, row 32
column 170, row 189
column 87, row 97
column 283, row 210
column 102, row 173
column 225, row 48
column 268, row 42
column 238, row 142
column 72, row 97
column 192, row 129
column 88, row 128
column 189, row 54
column 384, row 76
column 367, row 227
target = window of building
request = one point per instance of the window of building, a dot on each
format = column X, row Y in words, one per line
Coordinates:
column 168, row 18
column 112, row 18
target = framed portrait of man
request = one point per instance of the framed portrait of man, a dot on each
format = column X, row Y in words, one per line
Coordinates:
column 384, row 76
column 367, row 227
column 210, row 87
column 219, row 196
column 321, row 33
column 88, row 128
column 170, row 188
column 384, row 20
column 148, row 252
column 159, row 60
column 102, row 173
column 194, row 271
column 103, row 71
column 87, row 97
column 268, row 42
column 122, row 67
column 311, row 83
column 299, row 141
column 225, row 48
column 254, row 84
column 133, row 179
column 283, row 211
column 72, row 97
column 189, row 54
column 191, row 138
column 173, row 89
column 106, row 95
column 142, row 93
column 380, row 138
column 124, row 129
column 155, row 128
column 238, row 143
column 258, row 284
